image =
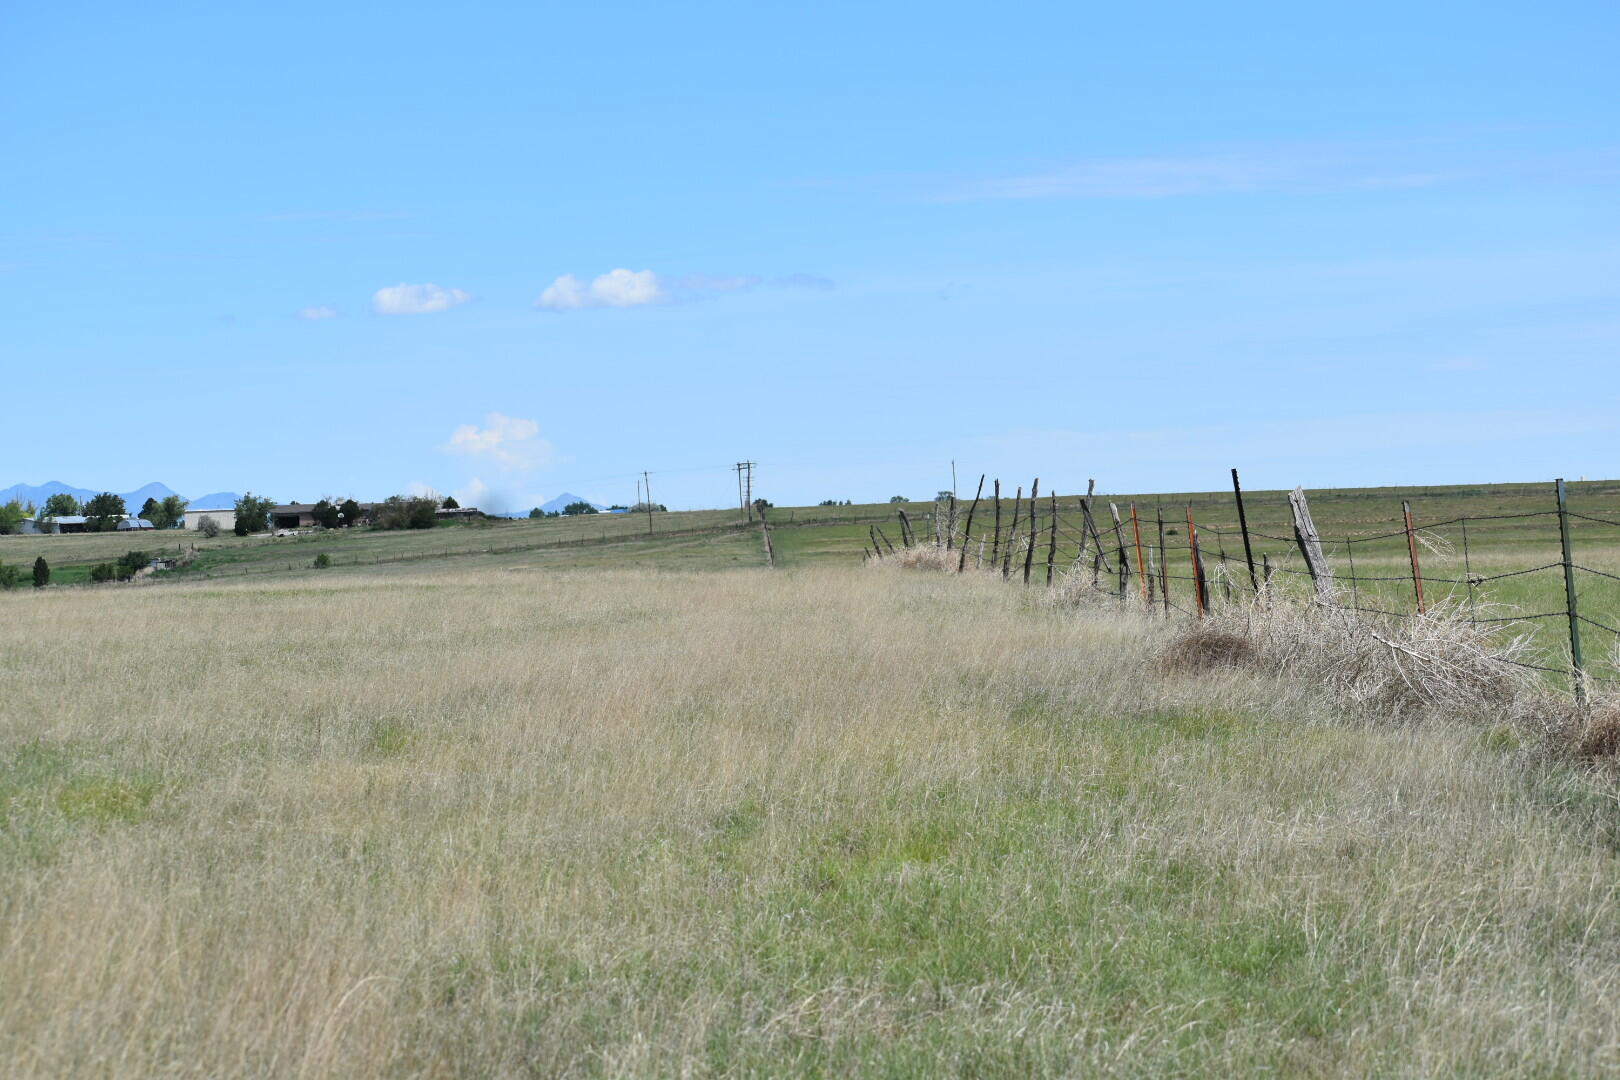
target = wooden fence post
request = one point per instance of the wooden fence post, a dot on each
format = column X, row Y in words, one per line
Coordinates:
column 1124, row 567
column 1197, row 563
column 1006, row 554
column 885, row 538
column 1029, row 555
column 1164, row 565
column 1141, row 567
column 1411, row 548
column 1310, row 546
column 908, row 536
column 995, row 546
column 967, row 533
column 1051, row 551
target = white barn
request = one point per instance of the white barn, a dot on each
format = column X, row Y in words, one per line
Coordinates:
column 224, row 518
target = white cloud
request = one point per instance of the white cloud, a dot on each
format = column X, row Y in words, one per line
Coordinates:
column 616, row 288
column 507, row 440
column 474, row 494
column 421, row 491
column 1297, row 168
column 321, row 312
column 416, row 299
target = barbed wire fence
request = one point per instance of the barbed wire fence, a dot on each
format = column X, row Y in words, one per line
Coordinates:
column 1190, row 568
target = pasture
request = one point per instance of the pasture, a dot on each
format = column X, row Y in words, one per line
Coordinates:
column 507, row 814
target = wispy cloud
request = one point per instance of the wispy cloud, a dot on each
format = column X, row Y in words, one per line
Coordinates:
column 635, row 288
column 416, row 299
column 616, row 288
column 509, row 441
column 320, row 312
column 340, row 215
column 1236, row 172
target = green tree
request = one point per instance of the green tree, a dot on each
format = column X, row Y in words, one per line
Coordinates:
column 326, row 515
column 253, row 514
column 147, row 508
column 208, row 526
column 103, row 572
column 42, row 573
column 450, row 503
column 648, row 508
column 536, row 513
column 10, row 577
column 349, row 512
column 580, row 507
column 12, row 515
column 898, row 499
column 104, row 512
column 169, row 512
column 62, row 504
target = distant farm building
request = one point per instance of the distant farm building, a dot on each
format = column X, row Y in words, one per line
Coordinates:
column 224, row 517
column 131, row 523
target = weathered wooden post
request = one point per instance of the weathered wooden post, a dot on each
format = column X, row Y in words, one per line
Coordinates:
column 1051, row 551
column 1197, row 563
column 995, row 546
column 1012, row 533
column 1310, row 546
column 967, row 533
column 1029, row 553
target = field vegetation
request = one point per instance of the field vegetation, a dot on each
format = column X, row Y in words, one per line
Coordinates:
column 507, row 816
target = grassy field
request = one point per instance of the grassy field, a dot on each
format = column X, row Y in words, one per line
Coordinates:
column 1511, row 529
column 507, row 817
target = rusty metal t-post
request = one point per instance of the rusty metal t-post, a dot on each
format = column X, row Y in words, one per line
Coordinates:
column 1411, row 548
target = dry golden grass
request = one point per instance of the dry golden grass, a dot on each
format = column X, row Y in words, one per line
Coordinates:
column 830, row 822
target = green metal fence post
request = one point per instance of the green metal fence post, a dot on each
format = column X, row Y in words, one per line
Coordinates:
column 1579, row 674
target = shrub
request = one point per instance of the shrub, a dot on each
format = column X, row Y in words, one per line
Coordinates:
column 208, row 526
column 400, row 512
column 132, row 562
column 103, row 572
column 580, row 507
column 10, row 577
column 322, row 561
column 42, row 573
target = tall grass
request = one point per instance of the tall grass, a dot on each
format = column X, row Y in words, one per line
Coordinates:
column 831, row 822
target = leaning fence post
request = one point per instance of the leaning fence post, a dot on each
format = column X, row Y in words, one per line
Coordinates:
column 967, row 533
column 1411, row 547
column 1006, row 553
column 1310, row 546
column 1243, row 523
column 1197, row 564
column 1579, row 670
column 1029, row 556
column 1141, row 569
column 908, row 535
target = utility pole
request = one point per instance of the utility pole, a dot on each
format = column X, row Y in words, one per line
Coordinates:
column 745, row 487
column 646, row 486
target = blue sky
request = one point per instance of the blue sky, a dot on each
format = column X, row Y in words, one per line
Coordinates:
column 504, row 250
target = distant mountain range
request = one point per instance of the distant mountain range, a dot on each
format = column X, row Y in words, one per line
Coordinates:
column 38, row 493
